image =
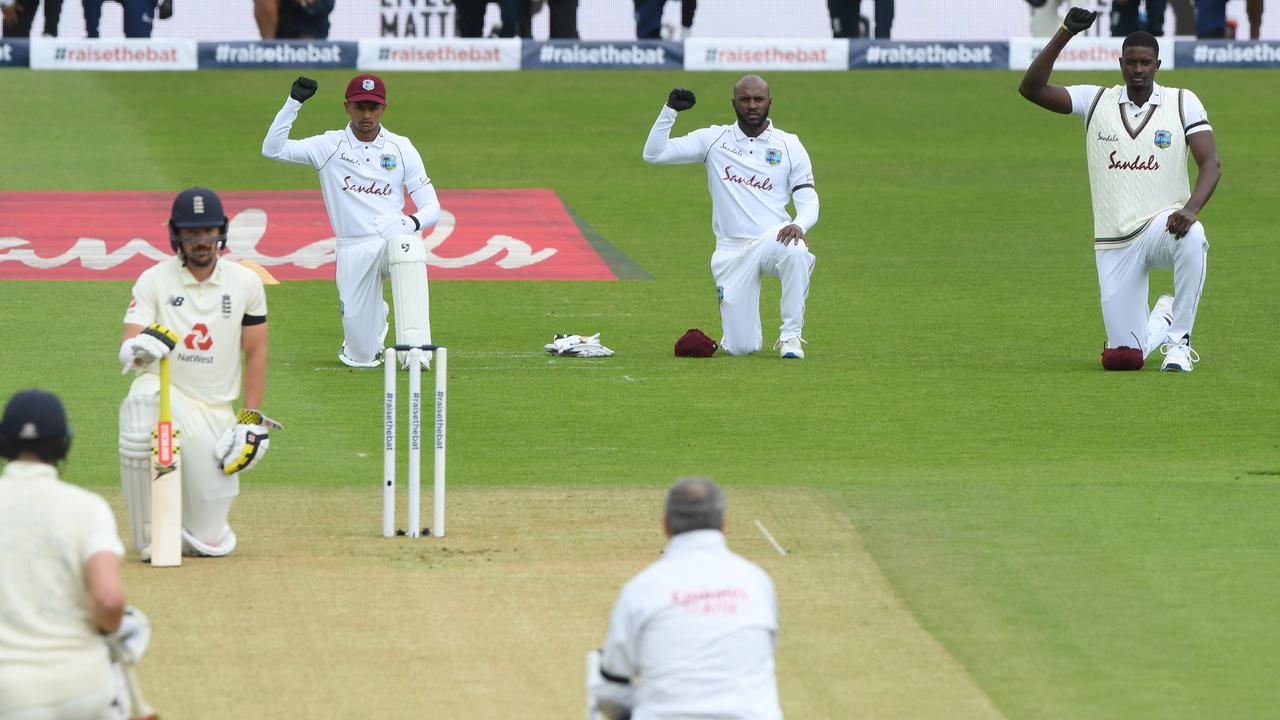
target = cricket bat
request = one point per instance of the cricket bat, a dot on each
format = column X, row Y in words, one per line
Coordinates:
column 141, row 710
column 166, row 484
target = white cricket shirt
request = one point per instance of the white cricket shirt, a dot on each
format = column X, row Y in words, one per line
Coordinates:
column 208, row 316
column 751, row 179
column 1137, row 155
column 694, row 633
column 49, row 648
column 360, row 180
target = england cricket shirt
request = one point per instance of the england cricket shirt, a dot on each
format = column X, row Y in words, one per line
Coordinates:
column 207, row 316
column 49, row 648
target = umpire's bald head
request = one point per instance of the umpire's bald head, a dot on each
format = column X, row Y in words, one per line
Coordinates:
column 694, row 503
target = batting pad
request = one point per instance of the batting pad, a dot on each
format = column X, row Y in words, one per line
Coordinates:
column 138, row 415
column 407, row 262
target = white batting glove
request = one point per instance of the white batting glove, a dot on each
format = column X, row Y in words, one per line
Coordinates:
column 391, row 227
column 244, row 444
column 129, row 643
column 148, row 346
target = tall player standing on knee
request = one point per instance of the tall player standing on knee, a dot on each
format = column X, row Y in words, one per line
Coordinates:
column 365, row 171
column 204, row 314
column 1137, row 136
column 753, row 170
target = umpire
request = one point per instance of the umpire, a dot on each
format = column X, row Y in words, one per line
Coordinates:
column 693, row 634
column 60, row 585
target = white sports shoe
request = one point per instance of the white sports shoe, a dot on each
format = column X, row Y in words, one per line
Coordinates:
column 790, row 348
column 1178, row 357
column 342, row 356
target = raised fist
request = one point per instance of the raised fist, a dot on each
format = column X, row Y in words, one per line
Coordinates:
column 303, row 88
column 1078, row 20
column 681, row 99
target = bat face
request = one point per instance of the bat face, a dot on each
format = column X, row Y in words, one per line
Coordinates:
column 166, row 484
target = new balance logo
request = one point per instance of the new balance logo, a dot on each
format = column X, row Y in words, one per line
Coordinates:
column 175, row 300
column 384, row 53
column 60, row 54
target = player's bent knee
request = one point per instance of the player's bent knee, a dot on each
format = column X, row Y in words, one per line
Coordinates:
column 734, row 348
column 1122, row 358
column 222, row 547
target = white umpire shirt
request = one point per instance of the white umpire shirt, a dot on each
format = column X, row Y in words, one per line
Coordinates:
column 360, row 180
column 694, row 634
column 50, row 650
column 751, row 179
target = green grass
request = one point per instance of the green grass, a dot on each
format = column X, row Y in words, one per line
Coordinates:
column 1086, row 544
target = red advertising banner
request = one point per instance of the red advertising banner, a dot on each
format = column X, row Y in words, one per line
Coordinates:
column 524, row 234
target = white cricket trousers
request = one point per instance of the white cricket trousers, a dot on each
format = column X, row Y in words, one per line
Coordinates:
column 361, row 266
column 207, row 492
column 1122, row 283
column 737, row 266
column 93, row 705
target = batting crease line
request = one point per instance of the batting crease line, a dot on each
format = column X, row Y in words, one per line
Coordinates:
column 769, row 537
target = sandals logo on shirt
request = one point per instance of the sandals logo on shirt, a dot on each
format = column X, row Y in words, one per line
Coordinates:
column 773, row 156
column 388, row 162
column 1164, row 139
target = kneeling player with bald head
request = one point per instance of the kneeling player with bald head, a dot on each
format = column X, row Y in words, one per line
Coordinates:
column 753, row 169
column 202, row 316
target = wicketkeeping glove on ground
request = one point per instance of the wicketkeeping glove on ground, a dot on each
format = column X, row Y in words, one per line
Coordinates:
column 303, row 88
column 681, row 99
column 577, row 346
column 243, row 445
column 148, row 346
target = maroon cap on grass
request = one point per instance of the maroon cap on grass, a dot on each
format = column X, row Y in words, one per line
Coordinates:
column 695, row 344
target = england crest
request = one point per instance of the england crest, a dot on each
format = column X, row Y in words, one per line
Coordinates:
column 773, row 156
column 388, row 162
column 1164, row 139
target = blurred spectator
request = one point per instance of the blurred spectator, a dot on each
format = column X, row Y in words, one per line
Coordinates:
column 846, row 18
column 1254, row 10
column 267, row 13
column 18, row 17
column 138, row 17
column 1184, row 17
column 564, row 18
column 1211, row 18
column 1126, row 17
column 470, row 17
column 649, row 18
column 1046, row 17
column 304, row 19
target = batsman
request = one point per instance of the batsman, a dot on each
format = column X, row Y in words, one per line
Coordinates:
column 208, row 320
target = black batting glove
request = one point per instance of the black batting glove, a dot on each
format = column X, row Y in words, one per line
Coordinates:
column 303, row 88
column 1078, row 20
column 681, row 99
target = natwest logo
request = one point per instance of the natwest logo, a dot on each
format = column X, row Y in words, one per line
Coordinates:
column 199, row 338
